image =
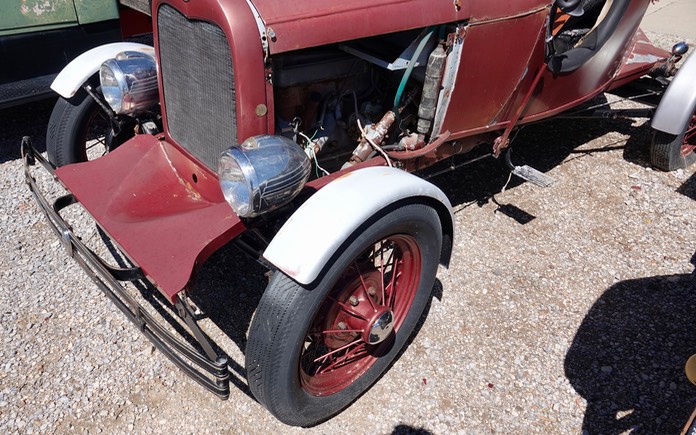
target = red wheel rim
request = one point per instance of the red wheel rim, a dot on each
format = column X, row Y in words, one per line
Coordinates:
column 689, row 143
column 381, row 283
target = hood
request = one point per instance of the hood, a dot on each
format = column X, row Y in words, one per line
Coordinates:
column 310, row 23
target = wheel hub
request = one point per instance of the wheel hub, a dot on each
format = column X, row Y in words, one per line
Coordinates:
column 381, row 325
column 364, row 314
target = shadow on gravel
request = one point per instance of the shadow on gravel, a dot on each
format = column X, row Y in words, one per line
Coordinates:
column 404, row 429
column 543, row 146
column 230, row 284
column 26, row 120
column 688, row 189
column 228, row 289
column 627, row 358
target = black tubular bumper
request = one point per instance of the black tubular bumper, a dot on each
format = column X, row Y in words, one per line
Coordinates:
column 208, row 368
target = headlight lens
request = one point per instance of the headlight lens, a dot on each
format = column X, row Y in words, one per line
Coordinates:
column 129, row 82
column 262, row 174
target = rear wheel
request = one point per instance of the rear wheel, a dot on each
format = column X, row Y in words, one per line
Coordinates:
column 79, row 130
column 313, row 350
column 670, row 152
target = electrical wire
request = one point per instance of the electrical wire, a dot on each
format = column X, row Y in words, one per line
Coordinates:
column 309, row 149
column 374, row 145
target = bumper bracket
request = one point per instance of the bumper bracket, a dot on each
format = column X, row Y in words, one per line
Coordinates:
column 209, row 368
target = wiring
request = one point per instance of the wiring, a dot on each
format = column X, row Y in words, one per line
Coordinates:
column 309, row 149
column 374, row 145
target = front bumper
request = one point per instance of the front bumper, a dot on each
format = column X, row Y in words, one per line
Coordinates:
column 207, row 367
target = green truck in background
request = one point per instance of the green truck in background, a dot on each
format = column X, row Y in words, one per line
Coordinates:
column 39, row 37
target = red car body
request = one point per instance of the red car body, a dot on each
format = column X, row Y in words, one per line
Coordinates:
column 153, row 226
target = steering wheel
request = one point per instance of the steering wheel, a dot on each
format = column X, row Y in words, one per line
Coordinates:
column 571, row 7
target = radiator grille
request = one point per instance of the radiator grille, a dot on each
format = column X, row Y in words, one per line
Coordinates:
column 198, row 85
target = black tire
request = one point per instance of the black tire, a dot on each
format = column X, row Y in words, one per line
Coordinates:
column 282, row 371
column 80, row 130
column 670, row 152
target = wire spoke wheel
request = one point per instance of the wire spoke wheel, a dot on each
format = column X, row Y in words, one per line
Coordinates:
column 355, row 323
column 689, row 142
column 314, row 349
column 80, row 130
column 670, row 152
column 97, row 134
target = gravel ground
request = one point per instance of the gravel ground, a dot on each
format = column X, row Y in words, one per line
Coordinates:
column 566, row 310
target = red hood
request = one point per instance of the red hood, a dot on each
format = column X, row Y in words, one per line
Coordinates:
column 311, row 23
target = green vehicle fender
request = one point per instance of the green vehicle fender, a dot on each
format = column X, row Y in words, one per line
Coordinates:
column 38, row 15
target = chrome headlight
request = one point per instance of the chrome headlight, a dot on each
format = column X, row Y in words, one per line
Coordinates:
column 262, row 173
column 129, row 82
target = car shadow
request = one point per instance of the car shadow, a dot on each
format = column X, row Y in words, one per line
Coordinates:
column 688, row 189
column 543, row 146
column 404, row 429
column 228, row 289
column 230, row 284
column 627, row 357
column 26, row 120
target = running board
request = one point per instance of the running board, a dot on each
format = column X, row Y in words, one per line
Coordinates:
column 528, row 173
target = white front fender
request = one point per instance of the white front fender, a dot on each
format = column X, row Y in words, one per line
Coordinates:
column 679, row 100
column 84, row 66
column 313, row 234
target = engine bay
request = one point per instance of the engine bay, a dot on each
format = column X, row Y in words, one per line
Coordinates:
column 347, row 103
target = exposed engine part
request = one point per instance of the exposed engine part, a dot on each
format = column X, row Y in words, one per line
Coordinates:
column 150, row 127
column 315, row 66
column 316, row 145
column 373, row 134
column 420, row 152
column 431, row 89
column 334, row 102
column 409, row 142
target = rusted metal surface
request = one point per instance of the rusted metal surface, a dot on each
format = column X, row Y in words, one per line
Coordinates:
column 165, row 212
column 35, row 15
column 431, row 89
column 484, row 83
column 312, row 23
column 373, row 134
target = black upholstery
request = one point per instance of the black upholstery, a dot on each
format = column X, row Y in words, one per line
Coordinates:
column 568, row 57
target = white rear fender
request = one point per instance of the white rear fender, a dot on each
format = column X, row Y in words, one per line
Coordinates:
column 679, row 100
column 84, row 66
column 313, row 234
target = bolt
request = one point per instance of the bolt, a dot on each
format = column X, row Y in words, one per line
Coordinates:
column 372, row 291
column 271, row 33
column 353, row 301
column 342, row 325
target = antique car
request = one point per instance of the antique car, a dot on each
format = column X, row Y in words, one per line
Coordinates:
column 41, row 37
column 298, row 132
